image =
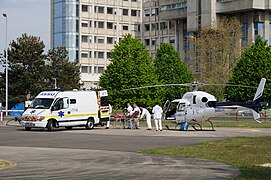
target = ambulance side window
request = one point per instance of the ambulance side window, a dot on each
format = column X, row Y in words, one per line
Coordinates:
column 65, row 103
column 62, row 103
column 72, row 101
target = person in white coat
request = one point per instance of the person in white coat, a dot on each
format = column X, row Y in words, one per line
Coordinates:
column 109, row 111
column 136, row 113
column 157, row 115
column 129, row 111
column 145, row 112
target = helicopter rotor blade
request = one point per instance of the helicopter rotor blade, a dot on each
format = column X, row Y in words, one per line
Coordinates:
column 159, row 85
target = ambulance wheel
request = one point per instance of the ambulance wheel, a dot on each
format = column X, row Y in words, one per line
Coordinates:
column 68, row 127
column 27, row 128
column 90, row 124
column 50, row 125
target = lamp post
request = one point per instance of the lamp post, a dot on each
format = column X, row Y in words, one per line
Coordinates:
column 55, row 81
column 6, row 16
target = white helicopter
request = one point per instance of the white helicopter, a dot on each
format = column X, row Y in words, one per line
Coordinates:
column 197, row 106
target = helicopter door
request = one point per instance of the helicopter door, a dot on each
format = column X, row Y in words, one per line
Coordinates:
column 165, row 109
column 181, row 112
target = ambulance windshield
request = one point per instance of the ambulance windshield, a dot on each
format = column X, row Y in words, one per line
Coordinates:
column 41, row 103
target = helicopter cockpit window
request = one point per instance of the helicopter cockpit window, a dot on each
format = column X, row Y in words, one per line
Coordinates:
column 204, row 99
column 181, row 107
column 194, row 99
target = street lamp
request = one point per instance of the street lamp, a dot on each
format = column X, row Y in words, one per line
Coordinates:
column 6, row 16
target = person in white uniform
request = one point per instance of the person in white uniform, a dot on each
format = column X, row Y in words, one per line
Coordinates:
column 136, row 113
column 157, row 115
column 145, row 112
column 108, row 122
column 129, row 111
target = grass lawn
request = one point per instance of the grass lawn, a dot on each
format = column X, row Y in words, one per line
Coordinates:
column 244, row 153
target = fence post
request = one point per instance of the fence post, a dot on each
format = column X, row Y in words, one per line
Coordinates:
column 236, row 116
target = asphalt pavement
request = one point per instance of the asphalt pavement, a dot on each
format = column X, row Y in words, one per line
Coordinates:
column 113, row 153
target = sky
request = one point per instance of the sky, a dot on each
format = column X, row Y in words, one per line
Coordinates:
column 25, row 16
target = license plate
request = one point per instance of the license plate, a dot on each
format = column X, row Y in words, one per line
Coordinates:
column 29, row 124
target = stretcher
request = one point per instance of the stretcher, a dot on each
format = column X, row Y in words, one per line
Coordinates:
column 125, row 119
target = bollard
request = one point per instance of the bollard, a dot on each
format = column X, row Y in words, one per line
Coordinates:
column 236, row 116
column 2, row 116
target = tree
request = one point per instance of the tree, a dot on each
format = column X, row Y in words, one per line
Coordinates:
column 170, row 69
column 66, row 73
column 131, row 66
column 214, row 53
column 26, row 68
column 254, row 64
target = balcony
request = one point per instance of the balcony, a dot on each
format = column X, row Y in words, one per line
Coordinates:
column 172, row 9
column 229, row 6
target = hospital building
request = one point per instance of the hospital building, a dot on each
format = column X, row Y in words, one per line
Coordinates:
column 89, row 29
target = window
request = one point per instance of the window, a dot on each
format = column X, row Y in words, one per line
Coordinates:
column 163, row 25
column 245, row 34
column 90, row 23
column 84, row 24
column 153, row 42
column 125, row 27
column 147, row 42
column 62, row 103
column 110, row 10
column 147, row 12
column 84, row 38
column 133, row 12
column 109, row 40
column 100, row 54
column 147, row 27
column 100, row 40
column 90, row 54
column 72, row 101
column 84, row 8
column 133, row 0
column 134, row 27
column 100, row 70
column 99, row 9
column 109, row 25
column 84, row 55
column 108, row 55
column 154, row 12
column 100, row 24
column 125, row 12
column 172, row 40
column 171, row 25
column 258, row 30
column 154, row 26
column 84, row 69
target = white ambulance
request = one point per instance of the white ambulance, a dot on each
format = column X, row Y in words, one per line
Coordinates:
column 53, row 109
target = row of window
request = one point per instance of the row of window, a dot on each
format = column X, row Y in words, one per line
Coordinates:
column 151, row 12
column 97, row 54
column 99, row 39
column 156, row 26
column 153, row 42
column 111, row 10
column 181, row 5
column 110, row 25
column 92, row 69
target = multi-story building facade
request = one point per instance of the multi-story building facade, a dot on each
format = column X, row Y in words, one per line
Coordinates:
column 89, row 29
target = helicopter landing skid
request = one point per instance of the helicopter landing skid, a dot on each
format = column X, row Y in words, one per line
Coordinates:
column 196, row 126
